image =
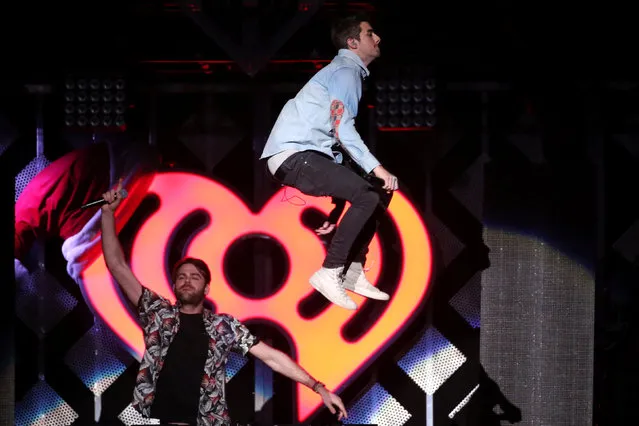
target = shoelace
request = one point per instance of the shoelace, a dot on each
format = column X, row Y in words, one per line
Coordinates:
column 342, row 293
column 365, row 269
column 340, row 288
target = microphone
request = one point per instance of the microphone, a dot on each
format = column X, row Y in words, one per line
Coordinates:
column 122, row 193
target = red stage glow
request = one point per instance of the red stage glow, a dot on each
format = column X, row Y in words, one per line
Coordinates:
column 320, row 348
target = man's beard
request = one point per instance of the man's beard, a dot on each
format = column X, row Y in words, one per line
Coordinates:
column 190, row 298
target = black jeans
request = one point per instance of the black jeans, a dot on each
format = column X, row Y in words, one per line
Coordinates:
column 315, row 174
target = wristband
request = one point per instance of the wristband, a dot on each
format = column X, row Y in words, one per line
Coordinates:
column 317, row 385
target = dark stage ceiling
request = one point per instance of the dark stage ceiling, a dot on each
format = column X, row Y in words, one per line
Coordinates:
column 466, row 40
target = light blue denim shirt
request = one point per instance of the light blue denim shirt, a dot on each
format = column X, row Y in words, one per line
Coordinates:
column 304, row 122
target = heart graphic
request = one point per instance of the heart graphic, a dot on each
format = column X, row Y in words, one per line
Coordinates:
column 318, row 342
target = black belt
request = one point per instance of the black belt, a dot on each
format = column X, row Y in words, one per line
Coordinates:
column 279, row 174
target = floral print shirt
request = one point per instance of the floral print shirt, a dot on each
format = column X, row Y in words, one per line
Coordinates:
column 160, row 321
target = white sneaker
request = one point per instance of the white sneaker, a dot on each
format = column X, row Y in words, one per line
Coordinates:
column 329, row 283
column 356, row 282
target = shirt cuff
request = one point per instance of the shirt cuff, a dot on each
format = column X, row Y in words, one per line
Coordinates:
column 368, row 162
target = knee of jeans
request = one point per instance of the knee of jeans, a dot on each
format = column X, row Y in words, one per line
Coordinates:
column 367, row 198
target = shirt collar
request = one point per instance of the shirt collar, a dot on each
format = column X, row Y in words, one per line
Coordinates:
column 353, row 57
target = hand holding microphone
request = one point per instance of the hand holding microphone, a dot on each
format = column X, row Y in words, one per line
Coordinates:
column 112, row 199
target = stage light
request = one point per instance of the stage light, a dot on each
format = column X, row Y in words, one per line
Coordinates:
column 430, row 84
column 405, row 99
column 430, row 96
column 98, row 92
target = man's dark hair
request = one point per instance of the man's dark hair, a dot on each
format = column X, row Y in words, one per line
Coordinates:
column 199, row 264
column 345, row 28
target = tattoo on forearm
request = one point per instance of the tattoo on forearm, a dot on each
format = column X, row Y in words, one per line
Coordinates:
column 337, row 111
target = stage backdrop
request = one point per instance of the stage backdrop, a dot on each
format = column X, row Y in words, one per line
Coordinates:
column 196, row 188
column 541, row 215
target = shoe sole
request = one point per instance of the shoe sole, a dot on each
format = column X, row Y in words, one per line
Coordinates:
column 318, row 289
column 375, row 296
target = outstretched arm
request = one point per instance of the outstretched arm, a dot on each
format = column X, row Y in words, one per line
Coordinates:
column 113, row 255
column 283, row 364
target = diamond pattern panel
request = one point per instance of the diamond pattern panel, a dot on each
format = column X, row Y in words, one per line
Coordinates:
column 98, row 358
column 234, row 364
column 431, row 361
column 526, row 136
column 617, row 154
column 377, row 407
column 210, row 133
column 630, row 143
column 7, row 134
column 628, row 244
column 29, row 172
column 448, row 244
column 467, row 301
column 467, row 187
column 130, row 416
column 4, row 144
column 41, row 302
column 42, row 406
